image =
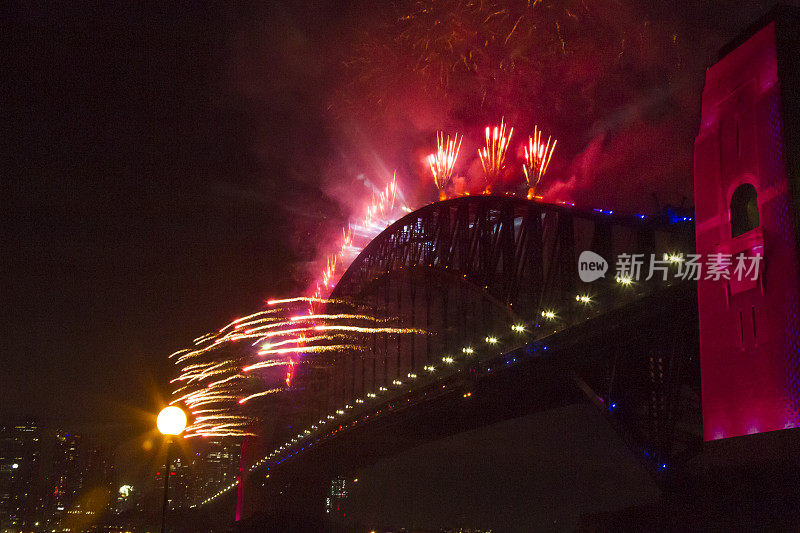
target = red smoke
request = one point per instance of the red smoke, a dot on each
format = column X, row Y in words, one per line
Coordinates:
column 363, row 92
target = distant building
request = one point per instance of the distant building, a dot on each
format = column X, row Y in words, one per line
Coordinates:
column 67, row 475
column 215, row 466
column 336, row 496
column 80, row 486
column 180, row 483
column 20, row 471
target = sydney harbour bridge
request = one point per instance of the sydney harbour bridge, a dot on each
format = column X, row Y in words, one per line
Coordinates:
column 505, row 330
column 493, row 281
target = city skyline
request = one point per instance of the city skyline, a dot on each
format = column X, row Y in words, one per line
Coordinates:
column 57, row 480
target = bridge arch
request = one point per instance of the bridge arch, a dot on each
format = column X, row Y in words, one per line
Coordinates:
column 474, row 266
column 468, row 268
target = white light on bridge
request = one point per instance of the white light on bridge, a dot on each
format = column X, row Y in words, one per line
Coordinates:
column 549, row 315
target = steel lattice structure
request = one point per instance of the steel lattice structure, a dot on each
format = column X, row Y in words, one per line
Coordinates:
column 471, row 266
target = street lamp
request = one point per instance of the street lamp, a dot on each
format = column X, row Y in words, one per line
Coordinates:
column 171, row 421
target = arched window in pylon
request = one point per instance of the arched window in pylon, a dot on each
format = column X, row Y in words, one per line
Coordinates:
column 744, row 209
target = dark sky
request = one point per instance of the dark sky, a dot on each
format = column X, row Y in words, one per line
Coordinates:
column 135, row 214
column 169, row 165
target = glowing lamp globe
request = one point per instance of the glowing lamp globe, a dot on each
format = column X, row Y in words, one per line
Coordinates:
column 171, row 420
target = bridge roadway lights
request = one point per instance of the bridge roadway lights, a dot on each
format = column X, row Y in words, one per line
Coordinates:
column 497, row 225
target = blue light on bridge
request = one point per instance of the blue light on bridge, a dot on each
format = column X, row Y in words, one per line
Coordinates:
column 603, row 211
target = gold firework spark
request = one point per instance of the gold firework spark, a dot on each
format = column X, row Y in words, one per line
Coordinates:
column 225, row 383
column 537, row 159
column 493, row 155
column 443, row 161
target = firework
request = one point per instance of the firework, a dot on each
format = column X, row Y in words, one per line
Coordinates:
column 493, row 155
column 385, row 207
column 537, row 159
column 443, row 161
column 295, row 299
column 368, row 330
column 259, row 394
column 225, row 383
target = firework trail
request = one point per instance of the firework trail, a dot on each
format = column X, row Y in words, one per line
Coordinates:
column 226, row 377
column 493, row 155
column 385, row 207
column 443, row 161
column 537, row 159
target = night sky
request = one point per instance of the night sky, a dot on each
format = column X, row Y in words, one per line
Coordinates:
column 137, row 214
column 172, row 166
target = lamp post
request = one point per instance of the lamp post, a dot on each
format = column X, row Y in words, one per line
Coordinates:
column 171, row 421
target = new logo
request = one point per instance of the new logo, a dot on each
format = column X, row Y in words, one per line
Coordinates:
column 591, row 266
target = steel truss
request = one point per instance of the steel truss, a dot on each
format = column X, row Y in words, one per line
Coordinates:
column 470, row 267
